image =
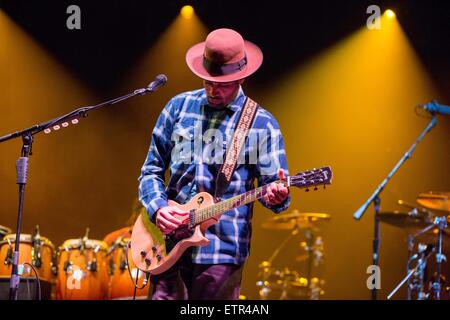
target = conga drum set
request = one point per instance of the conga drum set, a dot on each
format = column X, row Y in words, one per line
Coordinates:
column 80, row 269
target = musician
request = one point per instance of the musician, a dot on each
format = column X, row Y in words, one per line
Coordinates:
column 199, row 119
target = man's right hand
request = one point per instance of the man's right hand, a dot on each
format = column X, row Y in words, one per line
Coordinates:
column 165, row 219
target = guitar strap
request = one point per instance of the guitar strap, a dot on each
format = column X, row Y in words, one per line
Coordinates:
column 243, row 126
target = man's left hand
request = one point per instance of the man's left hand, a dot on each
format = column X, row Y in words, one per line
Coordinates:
column 276, row 192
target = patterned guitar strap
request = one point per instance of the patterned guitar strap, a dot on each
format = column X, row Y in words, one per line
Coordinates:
column 243, row 126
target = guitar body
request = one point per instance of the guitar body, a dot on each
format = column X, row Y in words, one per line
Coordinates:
column 153, row 252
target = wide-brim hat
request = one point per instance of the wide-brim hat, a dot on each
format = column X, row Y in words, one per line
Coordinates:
column 224, row 57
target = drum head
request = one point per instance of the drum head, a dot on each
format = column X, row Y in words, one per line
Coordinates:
column 74, row 244
column 27, row 238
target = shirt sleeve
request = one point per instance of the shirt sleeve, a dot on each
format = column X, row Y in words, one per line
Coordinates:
column 271, row 157
column 151, row 180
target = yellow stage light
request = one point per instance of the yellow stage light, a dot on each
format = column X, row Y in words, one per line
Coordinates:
column 187, row 12
column 390, row 14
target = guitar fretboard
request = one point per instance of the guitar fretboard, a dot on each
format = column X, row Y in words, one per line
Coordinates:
column 234, row 202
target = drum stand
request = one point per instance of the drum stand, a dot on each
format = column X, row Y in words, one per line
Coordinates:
column 264, row 291
column 441, row 224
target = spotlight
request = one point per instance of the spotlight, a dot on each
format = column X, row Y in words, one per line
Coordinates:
column 390, row 14
column 187, row 12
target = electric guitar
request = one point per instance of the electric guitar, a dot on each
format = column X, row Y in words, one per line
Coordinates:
column 153, row 252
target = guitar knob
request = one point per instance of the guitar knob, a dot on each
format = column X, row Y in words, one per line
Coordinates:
column 315, row 188
column 307, row 190
column 143, row 254
column 154, row 249
column 158, row 257
column 148, row 262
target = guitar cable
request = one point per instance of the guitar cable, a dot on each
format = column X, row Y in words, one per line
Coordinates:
column 37, row 279
column 147, row 275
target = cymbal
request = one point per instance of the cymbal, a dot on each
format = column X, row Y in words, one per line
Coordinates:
column 431, row 237
column 411, row 219
column 296, row 219
column 435, row 200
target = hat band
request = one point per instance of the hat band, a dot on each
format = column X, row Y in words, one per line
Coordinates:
column 218, row 69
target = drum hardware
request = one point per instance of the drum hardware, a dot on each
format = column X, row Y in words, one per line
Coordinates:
column 290, row 282
column 84, row 240
column 92, row 265
column 9, row 254
column 36, row 251
column 67, row 263
column 123, row 264
column 417, row 285
column 111, row 266
column 424, row 252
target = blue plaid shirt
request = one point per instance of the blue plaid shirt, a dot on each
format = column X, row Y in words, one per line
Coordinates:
column 183, row 142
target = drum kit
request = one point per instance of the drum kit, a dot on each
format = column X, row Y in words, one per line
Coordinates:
column 80, row 269
column 428, row 235
column 284, row 283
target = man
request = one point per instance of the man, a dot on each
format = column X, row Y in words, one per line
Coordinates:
column 198, row 120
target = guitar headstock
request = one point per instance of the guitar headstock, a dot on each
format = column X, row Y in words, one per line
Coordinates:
column 312, row 178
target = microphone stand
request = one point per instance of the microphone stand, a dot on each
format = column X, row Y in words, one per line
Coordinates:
column 22, row 164
column 375, row 198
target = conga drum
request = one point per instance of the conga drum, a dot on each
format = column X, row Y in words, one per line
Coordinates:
column 37, row 251
column 82, row 270
column 121, row 284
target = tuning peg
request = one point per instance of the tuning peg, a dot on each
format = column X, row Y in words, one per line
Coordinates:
column 307, row 190
column 324, row 186
column 315, row 188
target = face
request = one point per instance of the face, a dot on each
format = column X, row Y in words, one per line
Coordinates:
column 220, row 94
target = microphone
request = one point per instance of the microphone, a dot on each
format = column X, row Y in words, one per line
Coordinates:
column 435, row 108
column 160, row 80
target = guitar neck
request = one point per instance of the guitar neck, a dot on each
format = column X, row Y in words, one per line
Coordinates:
column 232, row 203
column 302, row 180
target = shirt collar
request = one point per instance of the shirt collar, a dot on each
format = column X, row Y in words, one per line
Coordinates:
column 234, row 106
